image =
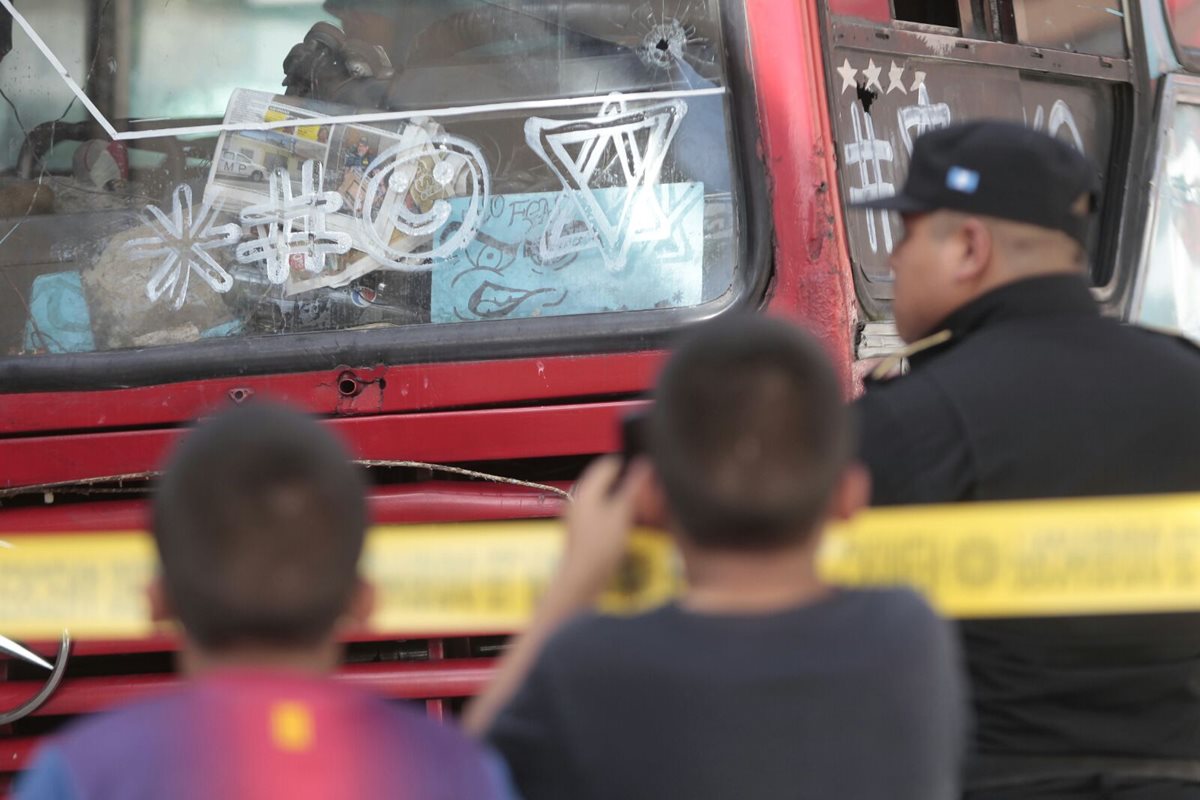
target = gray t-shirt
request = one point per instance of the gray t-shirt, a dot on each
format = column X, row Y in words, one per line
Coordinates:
column 859, row 695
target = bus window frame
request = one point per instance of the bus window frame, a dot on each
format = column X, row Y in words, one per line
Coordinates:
column 1177, row 89
column 584, row 334
column 1121, row 221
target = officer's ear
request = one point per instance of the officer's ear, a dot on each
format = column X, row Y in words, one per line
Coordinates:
column 975, row 239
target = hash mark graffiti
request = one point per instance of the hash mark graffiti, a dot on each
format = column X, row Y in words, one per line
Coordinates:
column 869, row 154
column 583, row 153
column 293, row 230
column 182, row 242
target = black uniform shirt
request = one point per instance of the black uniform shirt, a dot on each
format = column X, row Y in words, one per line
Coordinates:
column 1038, row 395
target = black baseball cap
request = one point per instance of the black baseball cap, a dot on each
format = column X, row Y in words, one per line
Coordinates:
column 998, row 169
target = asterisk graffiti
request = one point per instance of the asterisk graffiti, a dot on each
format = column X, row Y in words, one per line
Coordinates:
column 292, row 227
column 182, row 242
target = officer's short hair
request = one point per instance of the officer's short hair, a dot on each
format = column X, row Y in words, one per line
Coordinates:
column 749, row 433
column 259, row 521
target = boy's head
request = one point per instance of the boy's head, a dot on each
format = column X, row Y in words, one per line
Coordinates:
column 749, row 434
column 259, row 521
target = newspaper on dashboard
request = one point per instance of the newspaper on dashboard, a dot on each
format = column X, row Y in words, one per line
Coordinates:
column 345, row 157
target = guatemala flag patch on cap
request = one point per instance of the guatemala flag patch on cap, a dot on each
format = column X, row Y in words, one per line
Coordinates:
column 962, row 180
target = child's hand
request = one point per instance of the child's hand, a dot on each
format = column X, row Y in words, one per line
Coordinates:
column 598, row 523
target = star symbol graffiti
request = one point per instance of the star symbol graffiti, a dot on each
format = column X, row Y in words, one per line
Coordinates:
column 293, row 226
column 918, row 80
column 848, row 74
column 182, row 242
column 871, row 73
column 896, row 79
column 621, row 145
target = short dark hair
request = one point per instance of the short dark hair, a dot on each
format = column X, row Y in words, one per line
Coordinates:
column 259, row 520
column 749, row 433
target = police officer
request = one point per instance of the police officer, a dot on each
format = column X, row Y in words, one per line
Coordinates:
column 1019, row 388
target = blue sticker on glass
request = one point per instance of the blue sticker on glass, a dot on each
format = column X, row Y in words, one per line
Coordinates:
column 962, row 180
column 59, row 321
column 536, row 254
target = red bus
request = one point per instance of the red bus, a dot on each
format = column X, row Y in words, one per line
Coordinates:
column 467, row 250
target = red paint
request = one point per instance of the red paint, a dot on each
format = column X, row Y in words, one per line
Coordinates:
column 423, row 387
column 813, row 281
column 436, row 709
column 442, row 437
column 433, row 501
column 15, row 753
column 873, row 10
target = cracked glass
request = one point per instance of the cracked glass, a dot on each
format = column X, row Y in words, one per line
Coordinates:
column 187, row 171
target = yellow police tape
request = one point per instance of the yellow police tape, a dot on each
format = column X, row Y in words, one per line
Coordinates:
column 1123, row 555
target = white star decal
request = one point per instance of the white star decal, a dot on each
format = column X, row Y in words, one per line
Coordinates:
column 918, row 80
column 896, row 79
column 847, row 72
column 872, row 75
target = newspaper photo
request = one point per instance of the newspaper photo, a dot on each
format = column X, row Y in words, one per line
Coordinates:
column 250, row 165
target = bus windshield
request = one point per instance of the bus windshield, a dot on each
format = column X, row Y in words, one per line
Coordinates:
column 178, row 174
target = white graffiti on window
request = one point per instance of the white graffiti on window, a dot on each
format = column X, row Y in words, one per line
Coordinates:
column 384, row 211
column 291, row 228
column 181, row 242
column 583, row 152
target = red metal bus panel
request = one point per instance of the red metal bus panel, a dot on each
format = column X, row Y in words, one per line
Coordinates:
column 422, row 387
column 442, row 437
column 14, row 755
column 431, row 501
column 813, row 281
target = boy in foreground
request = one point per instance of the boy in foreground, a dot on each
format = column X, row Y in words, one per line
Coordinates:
column 761, row 681
column 259, row 523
